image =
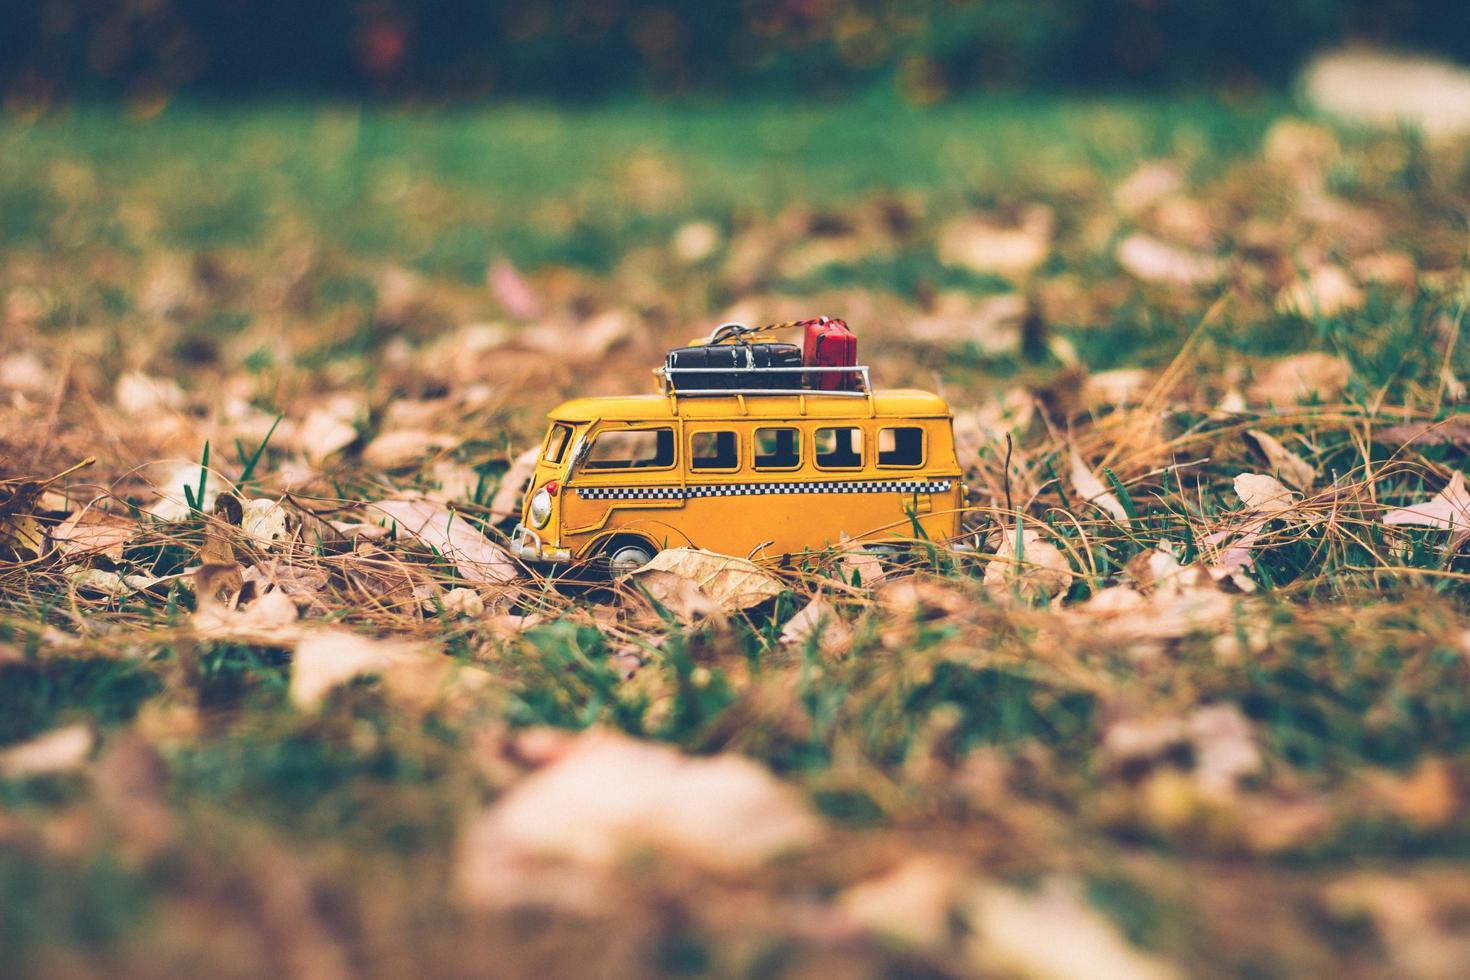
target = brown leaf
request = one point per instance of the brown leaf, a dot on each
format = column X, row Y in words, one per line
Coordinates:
column 91, row 531
column 730, row 583
column 1297, row 379
column 1289, row 466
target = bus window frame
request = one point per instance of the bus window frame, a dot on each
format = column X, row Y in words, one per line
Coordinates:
column 713, row 430
column 755, row 465
column 862, row 445
column 566, row 442
column 585, row 467
column 923, row 448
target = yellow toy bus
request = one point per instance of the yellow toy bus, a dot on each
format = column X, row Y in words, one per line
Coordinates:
column 760, row 472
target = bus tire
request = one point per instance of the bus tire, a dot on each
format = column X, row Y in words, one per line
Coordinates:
column 626, row 553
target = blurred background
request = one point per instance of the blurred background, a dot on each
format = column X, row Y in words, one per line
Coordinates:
column 601, row 49
column 593, row 50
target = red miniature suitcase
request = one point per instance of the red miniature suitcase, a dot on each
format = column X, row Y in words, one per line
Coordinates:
column 829, row 343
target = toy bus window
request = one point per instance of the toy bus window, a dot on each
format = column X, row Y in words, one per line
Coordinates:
column 617, row 449
column 556, row 443
column 839, row 449
column 777, row 449
column 714, row 451
column 902, row 446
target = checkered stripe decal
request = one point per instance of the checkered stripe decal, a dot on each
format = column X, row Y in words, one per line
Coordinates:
column 759, row 489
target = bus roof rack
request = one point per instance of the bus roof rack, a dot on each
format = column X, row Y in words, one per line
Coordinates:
column 668, row 387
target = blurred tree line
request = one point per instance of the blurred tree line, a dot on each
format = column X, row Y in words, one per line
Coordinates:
column 588, row 49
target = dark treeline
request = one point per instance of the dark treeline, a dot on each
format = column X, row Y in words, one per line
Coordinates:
column 588, row 49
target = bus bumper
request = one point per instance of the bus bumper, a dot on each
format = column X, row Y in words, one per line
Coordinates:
column 526, row 545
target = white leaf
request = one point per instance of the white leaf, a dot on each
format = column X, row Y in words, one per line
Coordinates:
column 1154, row 261
column 61, row 750
column 1263, row 494
column 609, row 796
column 1091, row 489
column 448, row 533
column 327, row 658
column 1053, row 934
column 507, row 499
column 1448, row 510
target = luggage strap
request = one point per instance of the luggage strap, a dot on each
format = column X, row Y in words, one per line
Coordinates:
column 740, row 333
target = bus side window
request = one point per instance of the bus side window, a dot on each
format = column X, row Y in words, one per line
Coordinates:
column 901, row 446
column 714, row 451
column 626, row 449
column 556, row 442
column 840, row 449
column 777, row 449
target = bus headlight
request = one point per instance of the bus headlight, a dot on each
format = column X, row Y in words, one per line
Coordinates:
column 540, row 510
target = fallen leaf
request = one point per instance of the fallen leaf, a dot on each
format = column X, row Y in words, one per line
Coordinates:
column 1389, row 90
column 329, row 429
column 982, row 245
column 1224, row 749
column 139, row 395
column 511, row 290
column 1447, row 510
column 913, row 903
column 1263, row 494
column 1146, row 186
column 1052, row 933
column 1041, row 571
column 1297, row 379
column 1289, row 466
column 695, row 241
column 729, row 583
column 818, row 619
column 1153, row 261
column 507, row 499
column 452, row 536
column 608, row 797
column 327, row 658
column 264, row 521
column 57, row 751
column 268, row 620
column 91, row 531
column 1453, row 431
column 1327, row 290
column 1091, row 489
column 406, row 448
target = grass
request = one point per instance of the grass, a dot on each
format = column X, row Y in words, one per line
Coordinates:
column 260, row 256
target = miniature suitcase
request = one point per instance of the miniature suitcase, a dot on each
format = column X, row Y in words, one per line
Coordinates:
column 829, row 343
column 741, row 366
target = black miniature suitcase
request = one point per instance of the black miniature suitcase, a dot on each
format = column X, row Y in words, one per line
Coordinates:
column 739, row 366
